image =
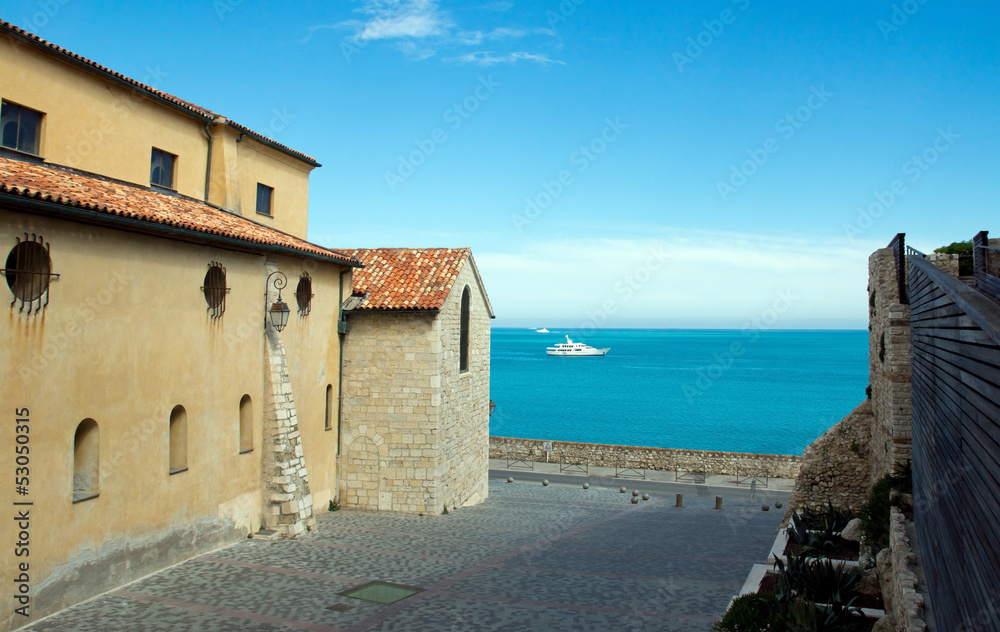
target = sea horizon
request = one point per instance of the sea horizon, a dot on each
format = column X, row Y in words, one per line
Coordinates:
column 768, row 391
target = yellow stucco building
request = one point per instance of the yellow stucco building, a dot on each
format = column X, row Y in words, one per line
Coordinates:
column 152, row 411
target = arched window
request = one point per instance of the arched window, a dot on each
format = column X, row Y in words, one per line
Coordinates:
column 178, row 440
column 328, row 423
column 463, row 363
column 246, row 425
column 86, row 460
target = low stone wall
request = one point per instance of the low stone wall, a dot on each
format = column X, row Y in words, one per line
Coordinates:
column 669, row 459
column 836, row 467
column 903, row 600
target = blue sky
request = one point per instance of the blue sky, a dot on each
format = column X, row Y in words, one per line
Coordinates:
column 617, row 164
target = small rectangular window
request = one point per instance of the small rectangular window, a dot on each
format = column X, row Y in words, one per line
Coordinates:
column 161, row 169
column 20, row 127
column 265, row 195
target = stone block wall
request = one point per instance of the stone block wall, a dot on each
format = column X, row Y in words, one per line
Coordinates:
column 836, row 467
column 948, row 263
column 889, row 367
column 391, row 401
column 668, row 459
column 463, row 460
column 903, row 599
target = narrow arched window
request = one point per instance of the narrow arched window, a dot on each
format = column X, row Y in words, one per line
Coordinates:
column 328, row 421
column 86, row 460
column 178, row 440
column 463, row 363
column 246, row 425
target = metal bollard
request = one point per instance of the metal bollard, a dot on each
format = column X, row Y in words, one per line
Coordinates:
column 718, row 502
column 680, row 500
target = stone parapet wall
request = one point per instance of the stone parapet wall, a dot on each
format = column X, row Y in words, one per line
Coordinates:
column 836, row 466
column 904, row 601
column 668, row 459
column 889, row 367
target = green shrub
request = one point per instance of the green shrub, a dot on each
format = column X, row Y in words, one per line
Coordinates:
column 875, row 515
column 902, row 478
column 333, row 506
column 956, row 248
column 749, row 613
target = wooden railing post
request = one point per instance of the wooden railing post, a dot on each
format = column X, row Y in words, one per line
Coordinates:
column 898, row 245
column 980, row 255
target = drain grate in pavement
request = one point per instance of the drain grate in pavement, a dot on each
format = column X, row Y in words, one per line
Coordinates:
column 381, row 592
column 339, row 607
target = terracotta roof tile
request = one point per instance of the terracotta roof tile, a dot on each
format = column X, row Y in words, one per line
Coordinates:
column 105, row 197
column 150, row 91
column 406, row 279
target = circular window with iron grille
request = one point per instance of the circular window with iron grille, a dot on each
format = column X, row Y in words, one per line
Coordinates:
column 215, row 288
column 303, row 294
column 28, row 270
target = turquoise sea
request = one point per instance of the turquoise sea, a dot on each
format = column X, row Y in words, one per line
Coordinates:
column 738, row 391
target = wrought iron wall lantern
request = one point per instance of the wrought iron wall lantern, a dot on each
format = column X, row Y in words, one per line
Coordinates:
column 278, row 311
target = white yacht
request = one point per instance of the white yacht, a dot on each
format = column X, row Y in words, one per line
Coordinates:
column 570, row 348
column 543, row 330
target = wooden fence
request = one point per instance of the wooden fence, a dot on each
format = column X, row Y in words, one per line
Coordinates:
column 955, row 359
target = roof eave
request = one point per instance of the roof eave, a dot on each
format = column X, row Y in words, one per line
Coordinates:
column 111, row 220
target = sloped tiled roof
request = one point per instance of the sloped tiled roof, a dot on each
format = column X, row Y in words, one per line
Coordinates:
column 405, row 279
column 103, row 198
column 151, row 92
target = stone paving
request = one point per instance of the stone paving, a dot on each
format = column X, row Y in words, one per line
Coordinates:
column 532, row 558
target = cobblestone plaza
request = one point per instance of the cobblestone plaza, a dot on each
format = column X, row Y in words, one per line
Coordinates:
column 531, row 558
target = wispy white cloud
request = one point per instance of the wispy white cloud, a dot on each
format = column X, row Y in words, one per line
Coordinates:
column 675, row 280
column 489, row 58
column 393, row 19
column 473, row 38
column 420, row 28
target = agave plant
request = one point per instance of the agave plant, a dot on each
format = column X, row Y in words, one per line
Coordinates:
column 806, row 616
column 826, row 582
column 790, row 580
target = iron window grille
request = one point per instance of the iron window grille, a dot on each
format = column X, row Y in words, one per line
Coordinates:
column 20, row 128
column 28, row 272
column 303, row 294
column 215, row 289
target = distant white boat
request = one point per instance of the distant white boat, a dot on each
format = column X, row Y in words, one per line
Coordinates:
column 543, row 330
column 570, row 348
